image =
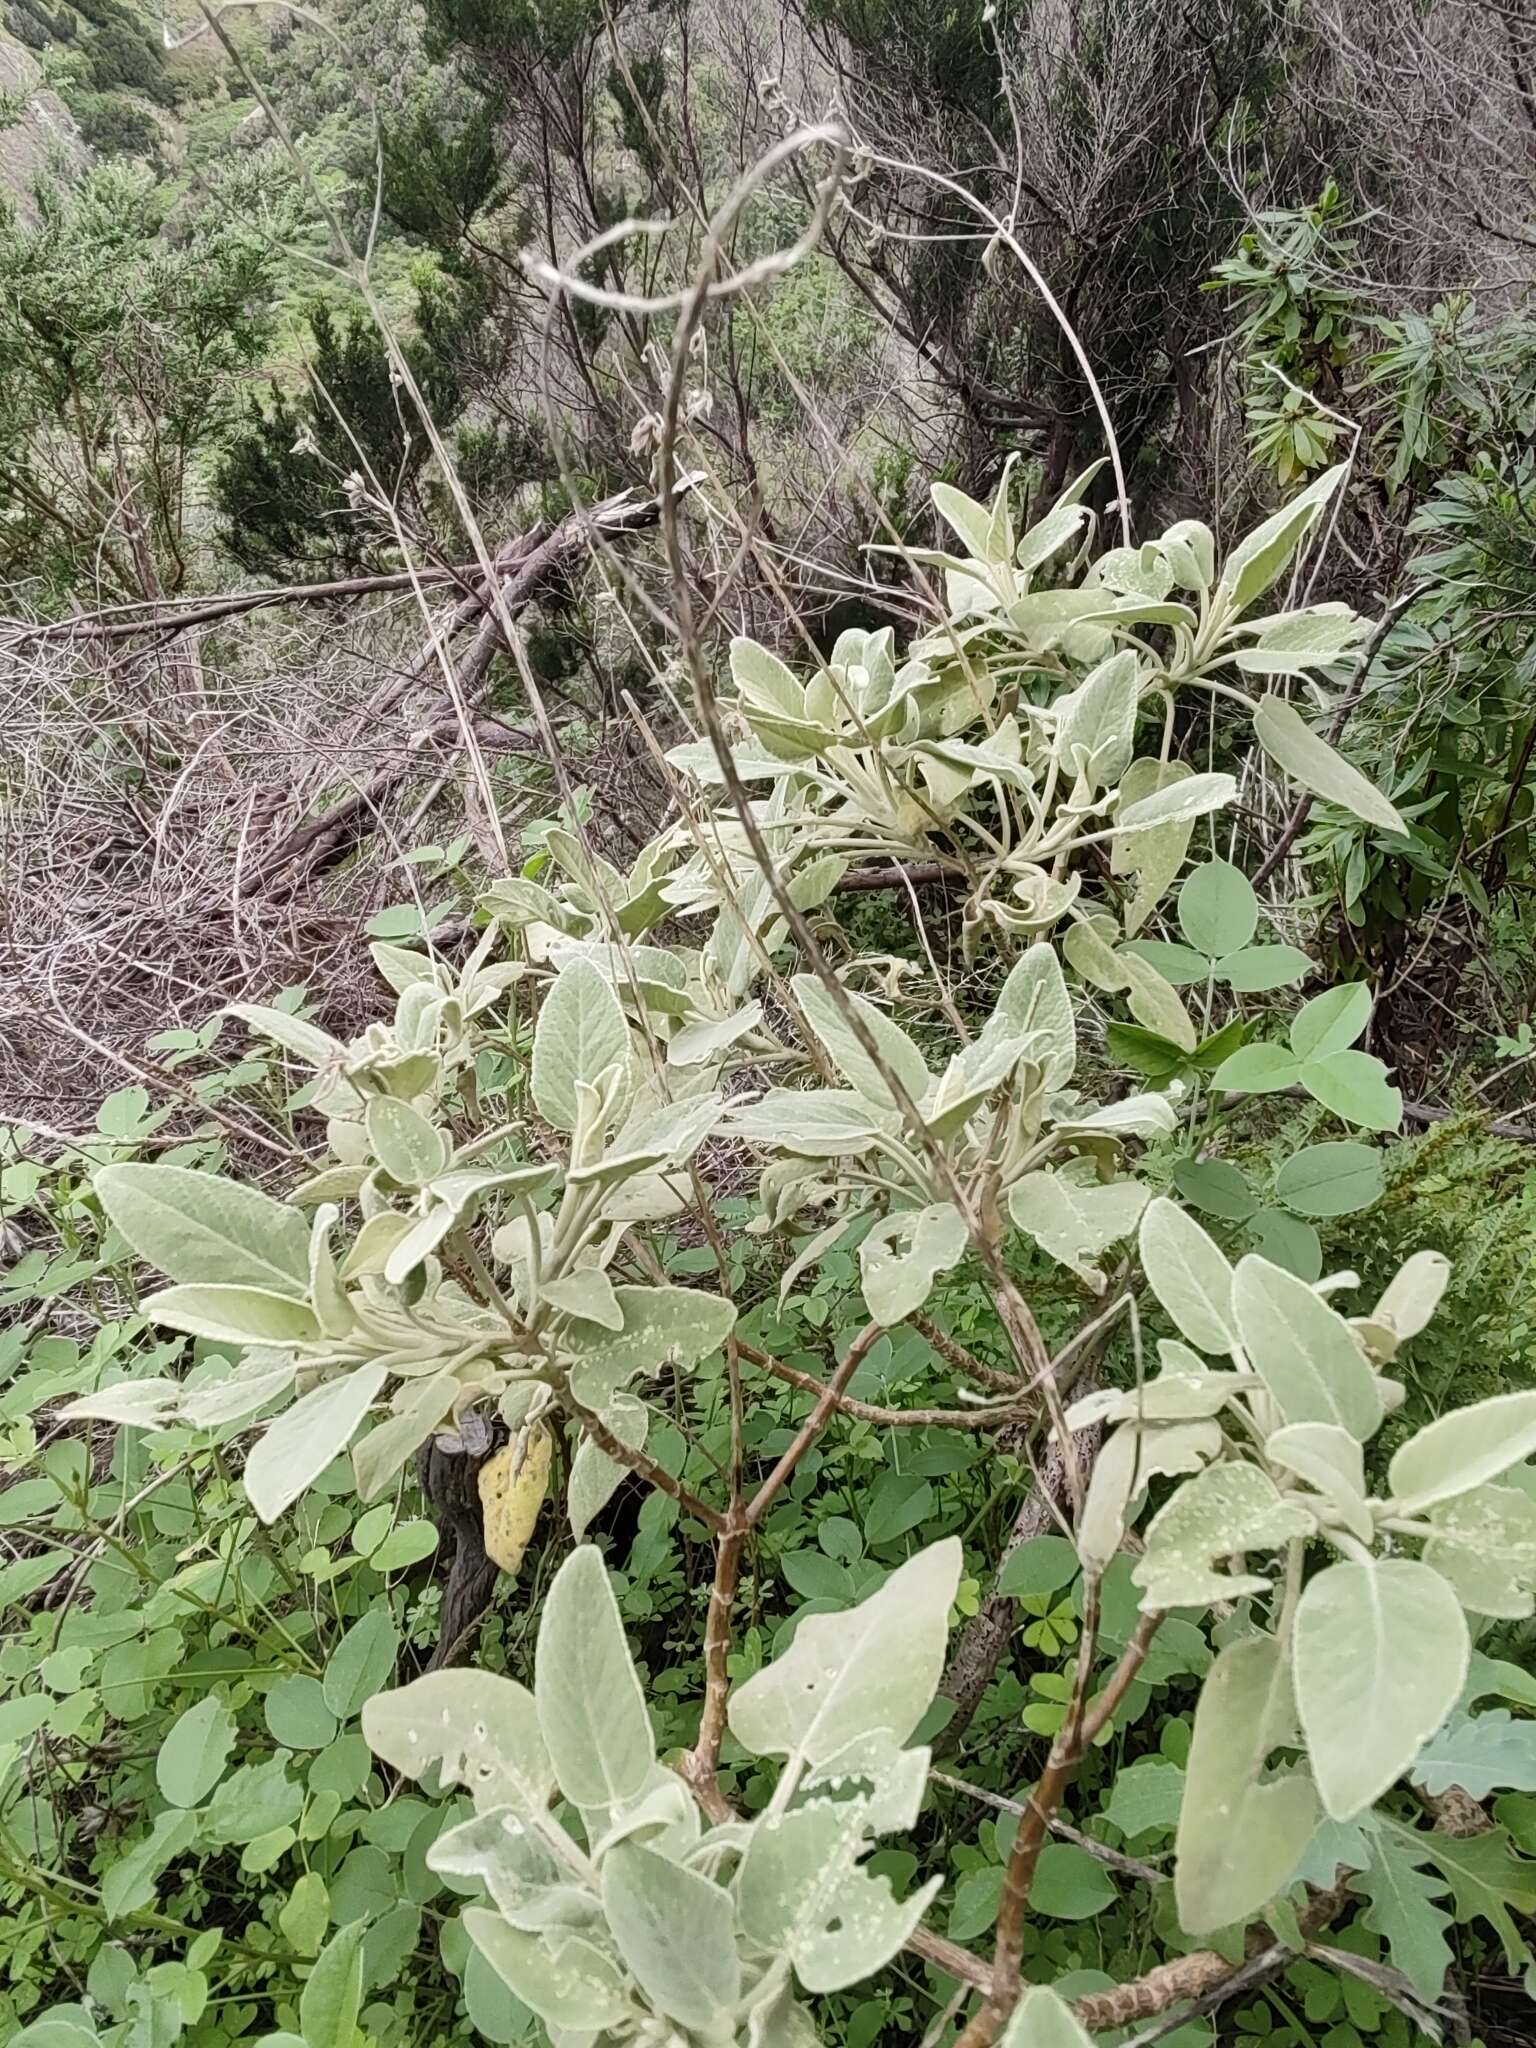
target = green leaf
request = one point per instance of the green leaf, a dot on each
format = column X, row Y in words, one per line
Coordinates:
column 129, row 1883
column 595, row 1477
column 234, row 1315
column 1303, row 1350
column 1240, row 1835
column 1070, row 1884
column 1074, row 1222
column 1041, row 2020
column 1191, row 797
column 1154, row 858
column 1259, row 1069
column 1294, row 643
column 197, row 1227
column 1146, row 1798
column 676, row 1930
column 294, row 1034
column 299, row 1445
column 1262, row 557
column 1180, row 966
column 1042, row 1565
column 662, row 1326
column 417, row 1408
column 813, row 1123
column 362, row 1663
column 1331, row 1461
column 846, row 1675
column 1331, row 1021
column 410, row 1150
column 297, row 1714
column 580, row 1034
column 1287, row 1242
column 904, row 1254
column 1096, row 722
column 897, row 1052
column 1189, row 1274
column 1381, row 1656
column 1257, row 969
column 1404, row 1912
column 194, row 1753
column 1491, row 1752
column 1218, row 911
column 1333, row 1179
column 1034, row 1002
column 1133, row 1456
column 1308, row 759
column 306, row 1915
column 1354, row 1086
column 482, row 1729
column 1227, row 1510
column 591, row 1709
column 565, row 1979
column 254, row 1801
column 1463, row 1450
column 1485, row 1544
column 1216, row 1187
column 333, row 1993
column 1486, row 1880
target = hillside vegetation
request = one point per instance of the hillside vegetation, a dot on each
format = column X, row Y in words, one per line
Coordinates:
column 766, row 1022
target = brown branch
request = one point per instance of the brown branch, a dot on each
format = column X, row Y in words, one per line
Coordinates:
column 1083, row 1725
column 886, row 1418
column 955, row 1354
column 814, row 1423
column 625, row 1454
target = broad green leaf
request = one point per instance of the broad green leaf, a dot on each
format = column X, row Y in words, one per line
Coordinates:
column 662, row 1326
column 1074, row 1223
column 1261, row 557
column 1257, row 1070
column 130, row 1880
column 1218, row 911
column 708, row 1037
column 1188, row 1272
column 1227, row 1510
column 1485, row 1544
column 1413, row 1294
column 417, row 1409
column 297, row 1715
column 1154, row 858
column 1184, row 1391
column 591, row 1709
column 234, row 1315
column 1240, row 1834
column 1146, row 1798
column 1193, row 796
column 1463, row 1450
column 307, row 1914
column 1042, row 2020
column 294, row 1034
column 298, row 1446
column 1070, row 1884
column 903, row 1256
column 897, row 1052
column 1330, row 1022
column 1354, row 1086
column 1291, row 643
column 131, row 1404
column 482, row 1729
column 333, row 1992
column 814, row 1123
column 845, row 1675
column 255, row 1801
column 804, row 1895
column 1180, row 966
column 972, row 522
column 1381, row 1656
column 580, row 1034
column 595, row 1477
column 195, row 1751
column 1034, row 1001
column 1216, row 1187
column 1332, row 1463
column 362, row 1663
column 1130, row 1458
column 1303, row 1350
column 1259, row 968
column 676, row 1930
column 1403, row 1910
column 1333, row 1179
column 410, row 1150
column 1308, row 759
column 197, row 1227
column 567, row 1980
column 977, row 1071
column 1096, row 722
column 1155, row 1003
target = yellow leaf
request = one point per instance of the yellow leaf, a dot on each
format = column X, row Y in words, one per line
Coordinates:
column 512, row 1489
